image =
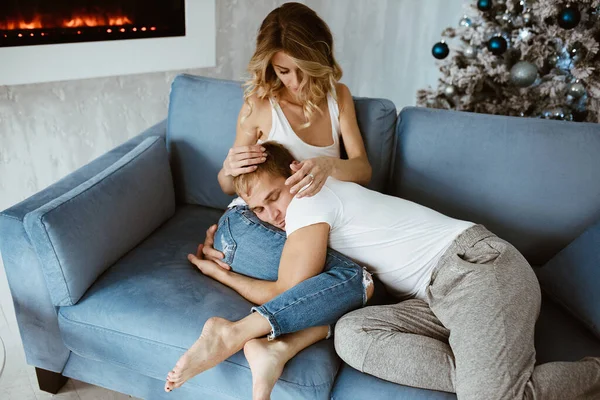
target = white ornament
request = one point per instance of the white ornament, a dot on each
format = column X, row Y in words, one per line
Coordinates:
column 449, row 90
column 525, row 34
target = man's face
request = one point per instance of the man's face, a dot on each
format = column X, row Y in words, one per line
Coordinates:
column 269, row 198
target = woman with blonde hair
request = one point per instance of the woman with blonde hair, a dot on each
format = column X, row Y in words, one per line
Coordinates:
column 293, row 97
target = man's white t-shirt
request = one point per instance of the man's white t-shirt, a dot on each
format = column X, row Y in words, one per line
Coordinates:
column 399, row 241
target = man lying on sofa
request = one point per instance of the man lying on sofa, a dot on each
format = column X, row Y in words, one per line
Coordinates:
column 471, row 300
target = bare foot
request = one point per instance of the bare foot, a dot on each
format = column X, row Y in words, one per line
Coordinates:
column 266, row 360
column 210, row 349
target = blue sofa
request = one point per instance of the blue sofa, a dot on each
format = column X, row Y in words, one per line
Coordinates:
column 103, row 292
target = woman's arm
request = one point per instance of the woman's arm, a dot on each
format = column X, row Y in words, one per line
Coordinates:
column 355, row 169
column 244, row 154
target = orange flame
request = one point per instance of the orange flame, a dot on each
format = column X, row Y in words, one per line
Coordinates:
column 36, row 23
column 77, row 22
column 96, row 21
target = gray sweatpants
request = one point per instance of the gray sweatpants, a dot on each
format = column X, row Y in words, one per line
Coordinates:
column 474, row 336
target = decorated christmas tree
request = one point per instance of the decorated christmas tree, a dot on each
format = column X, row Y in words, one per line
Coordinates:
column 530, row 58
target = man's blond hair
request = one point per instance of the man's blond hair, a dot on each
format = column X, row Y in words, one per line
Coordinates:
column 276, row 165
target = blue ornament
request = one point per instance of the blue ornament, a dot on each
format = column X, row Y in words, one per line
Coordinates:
column 484, row 5
column 440, row 50
column 497, row 45
column 569, row 18
column 465, row 22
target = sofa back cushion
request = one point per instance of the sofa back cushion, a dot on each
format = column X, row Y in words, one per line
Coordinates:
column 533, row 182
column 78, row 235
column 201, row 128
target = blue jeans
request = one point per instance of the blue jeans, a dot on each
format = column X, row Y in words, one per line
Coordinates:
column 253, row 248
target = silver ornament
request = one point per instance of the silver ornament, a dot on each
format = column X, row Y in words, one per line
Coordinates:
column 553, row 60
column 449, row 90
column 527, row 18
column 577, row 90
column 523, row 74
column 465, row 22
column 470, row 52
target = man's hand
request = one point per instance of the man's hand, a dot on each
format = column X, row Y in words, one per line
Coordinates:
column 208, row 251
column 208, row 268
column 253, row 290
column 303, row 257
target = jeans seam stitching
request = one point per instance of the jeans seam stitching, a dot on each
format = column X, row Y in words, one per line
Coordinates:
column 314, row 294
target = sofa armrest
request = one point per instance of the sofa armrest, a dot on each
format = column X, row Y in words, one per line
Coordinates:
column 35, row 313
column 83, row 232
column 572, row 278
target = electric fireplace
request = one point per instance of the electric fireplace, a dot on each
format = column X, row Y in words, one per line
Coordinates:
column 38, row 22
column 57, row 40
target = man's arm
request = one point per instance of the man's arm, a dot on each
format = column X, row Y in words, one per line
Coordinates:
column 303, row 257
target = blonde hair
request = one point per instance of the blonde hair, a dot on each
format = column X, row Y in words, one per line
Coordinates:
column 299, row 32
column 276, row 165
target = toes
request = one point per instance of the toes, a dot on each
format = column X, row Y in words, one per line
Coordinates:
column 177, row 385
column 168, row 386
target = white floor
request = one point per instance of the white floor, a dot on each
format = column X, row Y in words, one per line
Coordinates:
column 18, row 380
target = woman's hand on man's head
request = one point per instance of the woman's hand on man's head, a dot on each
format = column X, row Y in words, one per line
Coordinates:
column 243, row 159
column 309, row 174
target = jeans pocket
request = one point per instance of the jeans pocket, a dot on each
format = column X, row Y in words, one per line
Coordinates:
column 224, row 241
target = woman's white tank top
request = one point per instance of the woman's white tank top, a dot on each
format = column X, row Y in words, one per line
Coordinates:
column 282, row 132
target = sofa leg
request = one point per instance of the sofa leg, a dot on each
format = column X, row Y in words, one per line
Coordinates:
column 49, row 381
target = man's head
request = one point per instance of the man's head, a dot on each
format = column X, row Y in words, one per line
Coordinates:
column 264, row 189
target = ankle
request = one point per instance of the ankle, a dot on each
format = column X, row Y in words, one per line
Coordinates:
column 285, row 349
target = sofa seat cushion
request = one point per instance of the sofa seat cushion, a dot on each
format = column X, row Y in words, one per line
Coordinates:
column 558, row 337
column 145, row 311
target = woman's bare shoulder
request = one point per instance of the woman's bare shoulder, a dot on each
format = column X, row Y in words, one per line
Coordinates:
column 259, row 119
column 342, row 91
column 343, row 95
column 256, row 104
